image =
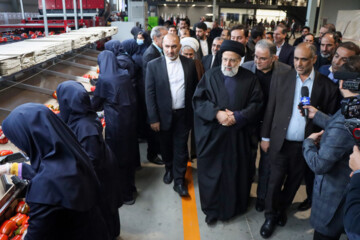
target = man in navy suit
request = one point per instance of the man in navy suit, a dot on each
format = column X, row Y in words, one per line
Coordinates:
column 284, row 51
column 329, row 162
column 170, row 84
column 342, row 54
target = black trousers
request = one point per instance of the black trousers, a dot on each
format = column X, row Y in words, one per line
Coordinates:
column 309, row 181
column 286, row 169
column 173, row 146
column 264, row 174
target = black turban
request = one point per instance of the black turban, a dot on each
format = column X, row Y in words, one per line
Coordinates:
column 233, row 46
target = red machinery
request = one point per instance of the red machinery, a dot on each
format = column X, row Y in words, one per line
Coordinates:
column 89, row 13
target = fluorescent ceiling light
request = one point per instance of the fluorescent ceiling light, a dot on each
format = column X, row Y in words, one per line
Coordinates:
column 194, row 5
column 178, row 5
column 209, row 14
column 164, row 5
column 209, row 5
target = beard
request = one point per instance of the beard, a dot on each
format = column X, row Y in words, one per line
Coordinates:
column 325, row 55
column 229, row 73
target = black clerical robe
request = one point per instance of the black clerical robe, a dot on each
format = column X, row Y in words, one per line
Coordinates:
column 224, row 153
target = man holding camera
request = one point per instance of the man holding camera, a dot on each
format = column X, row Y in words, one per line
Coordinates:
column 329, row 160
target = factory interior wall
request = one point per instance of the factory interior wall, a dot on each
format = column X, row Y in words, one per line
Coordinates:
column 194, row 13
column 331, row 8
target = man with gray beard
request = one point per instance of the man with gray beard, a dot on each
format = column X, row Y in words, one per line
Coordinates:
column 227, row 105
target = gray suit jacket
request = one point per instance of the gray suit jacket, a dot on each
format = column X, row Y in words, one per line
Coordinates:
column 330, row 163
column 278, row 67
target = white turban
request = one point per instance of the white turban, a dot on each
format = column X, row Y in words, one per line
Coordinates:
column 190, row 42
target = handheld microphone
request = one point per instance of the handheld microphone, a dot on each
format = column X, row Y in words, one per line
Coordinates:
column 305, row 100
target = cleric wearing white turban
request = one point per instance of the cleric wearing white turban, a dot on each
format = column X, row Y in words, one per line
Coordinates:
column 189, row 47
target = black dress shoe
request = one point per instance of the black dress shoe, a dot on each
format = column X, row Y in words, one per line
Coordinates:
column 210, row 220
column 260, row 205
column 181, row 189
column 268, row 228
column 156, row 160
column 168, row 177
column 282, row 219
column 305, row 205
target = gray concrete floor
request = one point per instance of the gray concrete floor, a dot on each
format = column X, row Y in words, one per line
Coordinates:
column 157, row 213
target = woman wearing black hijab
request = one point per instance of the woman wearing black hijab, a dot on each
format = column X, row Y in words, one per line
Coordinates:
column 76, row 112
column 64, row 191
column 124, row 60
column 114, row 93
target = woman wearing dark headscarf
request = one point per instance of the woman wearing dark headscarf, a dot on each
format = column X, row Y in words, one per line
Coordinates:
column 63, row 194
column 76, row 112
column 124, row 60
column 115, row 94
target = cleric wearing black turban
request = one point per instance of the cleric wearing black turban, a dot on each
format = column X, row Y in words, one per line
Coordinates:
column 226, row 104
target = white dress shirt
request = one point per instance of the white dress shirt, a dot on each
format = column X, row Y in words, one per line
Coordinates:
column 296, row 128
column 212, row 60
column 204, row 47
column 176, row 76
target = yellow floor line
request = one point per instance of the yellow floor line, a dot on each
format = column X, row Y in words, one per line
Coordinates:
column 190, row 217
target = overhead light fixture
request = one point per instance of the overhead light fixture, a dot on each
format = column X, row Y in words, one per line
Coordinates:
column 178, row 5
column 209, row 14
column 165, row 5
column 209, row 5
column 194, row 5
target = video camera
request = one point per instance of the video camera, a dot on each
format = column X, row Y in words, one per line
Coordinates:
column 351, row 80
column 350, row 107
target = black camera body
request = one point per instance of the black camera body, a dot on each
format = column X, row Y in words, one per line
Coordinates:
column 352, row 85
column 351, row 80
column 350, row 108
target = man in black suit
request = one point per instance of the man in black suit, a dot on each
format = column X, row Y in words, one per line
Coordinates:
column 293, row 29
column 284, row 130
column 170, row 84
column 257, row 33
column 284, row 51
column 152, row 52
column 324, row 29
column 185, row 23
column 304, row 31
column 155, row 49
column 328, row 45
column 210, row 60
column 267, row 68
column 204, row 41
column 240, row 33
column 225, row 34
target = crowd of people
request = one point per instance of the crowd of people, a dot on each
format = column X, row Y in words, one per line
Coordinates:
column 227, row 90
